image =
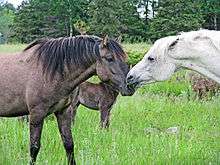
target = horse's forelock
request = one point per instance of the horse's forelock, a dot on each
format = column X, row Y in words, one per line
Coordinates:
column 116, row 49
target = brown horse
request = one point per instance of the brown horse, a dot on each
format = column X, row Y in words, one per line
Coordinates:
column 100, row 97
column 42, row 79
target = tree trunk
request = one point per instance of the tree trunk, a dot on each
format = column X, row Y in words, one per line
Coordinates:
column 153, row 8
column 215, row 22
column 218, row 22
column 146, row 12
column 71, row 27
column 70, row 18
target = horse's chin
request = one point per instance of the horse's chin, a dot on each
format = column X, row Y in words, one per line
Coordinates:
column 128, row 91
column 142, row 83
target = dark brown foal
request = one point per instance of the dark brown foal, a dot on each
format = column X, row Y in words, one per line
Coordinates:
column 100, row 97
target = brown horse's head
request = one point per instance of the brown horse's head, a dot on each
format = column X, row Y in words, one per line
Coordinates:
column 74, row 55
column 112, row 67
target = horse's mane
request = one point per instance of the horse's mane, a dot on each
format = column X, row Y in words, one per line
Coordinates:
column 71, row 52
column 165, row 44
column 210, row 35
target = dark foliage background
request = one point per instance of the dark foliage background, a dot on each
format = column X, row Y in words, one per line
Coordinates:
column 134, row 20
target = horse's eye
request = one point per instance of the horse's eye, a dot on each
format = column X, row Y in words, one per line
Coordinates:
column 151, row 59
column 109, row 59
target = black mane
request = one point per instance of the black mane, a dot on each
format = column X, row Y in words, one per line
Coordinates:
column 71, row 52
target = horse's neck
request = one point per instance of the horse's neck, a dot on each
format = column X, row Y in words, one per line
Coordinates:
column 206, row 65
column 78, row 77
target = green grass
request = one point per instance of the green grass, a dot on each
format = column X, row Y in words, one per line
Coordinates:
column 128, row 141
column 11, row 48
column 140, row 47
column 177, row 85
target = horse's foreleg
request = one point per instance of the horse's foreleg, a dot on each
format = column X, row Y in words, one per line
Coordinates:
column 64, row 123
column 73, row 108
column 105, row 115
column 36, row 125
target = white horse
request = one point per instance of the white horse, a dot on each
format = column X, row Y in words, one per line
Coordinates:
column 195, row 50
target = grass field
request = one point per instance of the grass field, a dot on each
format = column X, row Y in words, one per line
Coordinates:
column 11, row 48
column 138, row 132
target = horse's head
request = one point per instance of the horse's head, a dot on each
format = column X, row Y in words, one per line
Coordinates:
column 83, row 56
column 156, row 65
column 112, row 67
column 188, row 50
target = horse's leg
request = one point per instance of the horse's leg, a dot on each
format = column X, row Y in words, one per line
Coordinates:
column 64, row 123
column 73, row 108
column 105, row 115
column 73, row 111
column 36, row 125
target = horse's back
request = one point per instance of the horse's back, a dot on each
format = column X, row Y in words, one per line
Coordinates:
column 14, row 70
column 95, row 95
column 89, row 95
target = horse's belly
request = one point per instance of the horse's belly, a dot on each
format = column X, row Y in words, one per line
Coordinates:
column 92, row 104
column 13, row 107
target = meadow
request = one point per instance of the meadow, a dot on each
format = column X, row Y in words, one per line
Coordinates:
column 138, row 133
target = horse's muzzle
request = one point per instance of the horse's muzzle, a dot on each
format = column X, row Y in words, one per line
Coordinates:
column 132, row 82
column 129, row 91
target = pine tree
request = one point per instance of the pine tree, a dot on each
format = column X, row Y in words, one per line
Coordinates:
column 118, row 17
column 174, row 16
column 7, row 12
column 48, row 18
column 211, row 13
column 104, row 18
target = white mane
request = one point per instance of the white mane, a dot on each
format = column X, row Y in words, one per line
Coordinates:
column 191, row 38
column 211, row 35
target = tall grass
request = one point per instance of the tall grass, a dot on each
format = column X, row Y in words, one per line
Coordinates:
column 138, row 47
column 11, row 48
column 127, row 141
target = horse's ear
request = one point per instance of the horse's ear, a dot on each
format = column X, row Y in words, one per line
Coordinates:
column 118, row 39
column 171, row 46
column 104, row 41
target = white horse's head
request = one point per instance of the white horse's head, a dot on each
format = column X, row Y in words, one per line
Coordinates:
column 168, row 54
column 156, row 64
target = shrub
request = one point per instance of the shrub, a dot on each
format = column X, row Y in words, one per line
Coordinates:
column 136, row 52
column 202, row 86
column 134, row 57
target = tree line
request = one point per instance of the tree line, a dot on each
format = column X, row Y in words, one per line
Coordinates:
column 133, row 20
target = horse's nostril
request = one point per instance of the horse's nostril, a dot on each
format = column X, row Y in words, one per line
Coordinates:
column 130, row 77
